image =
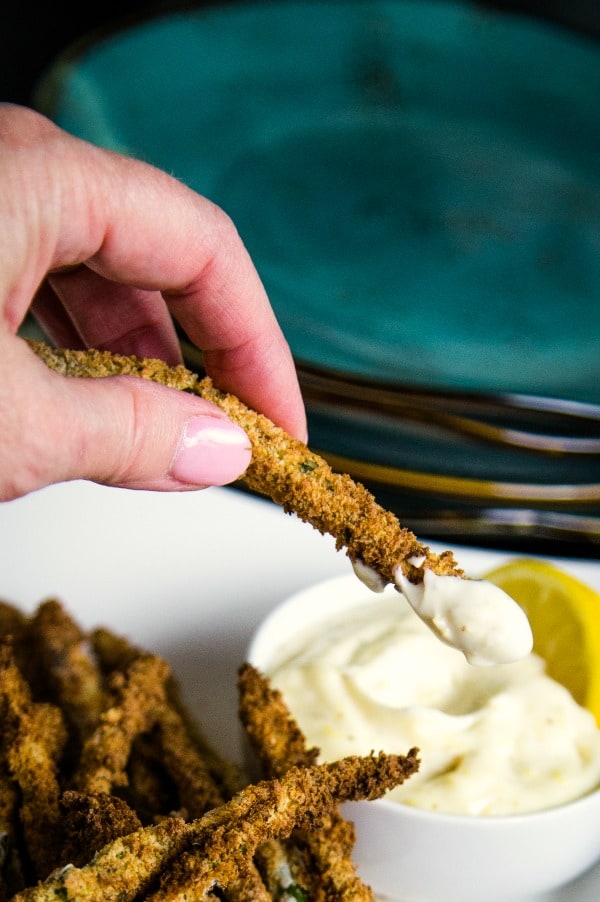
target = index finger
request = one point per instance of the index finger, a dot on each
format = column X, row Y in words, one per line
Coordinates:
column 135, row 224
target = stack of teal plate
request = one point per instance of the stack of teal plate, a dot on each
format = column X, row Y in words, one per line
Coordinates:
column 419, row 186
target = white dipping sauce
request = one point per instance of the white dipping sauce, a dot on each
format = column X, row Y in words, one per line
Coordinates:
column 474, row 616
column 493, row 740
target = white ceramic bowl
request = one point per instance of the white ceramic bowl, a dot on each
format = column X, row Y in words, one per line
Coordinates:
column 421, row 856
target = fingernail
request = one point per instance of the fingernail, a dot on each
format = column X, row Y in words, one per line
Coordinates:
column 212, row 451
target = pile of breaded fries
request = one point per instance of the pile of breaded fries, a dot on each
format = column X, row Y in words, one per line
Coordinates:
column 109, row 792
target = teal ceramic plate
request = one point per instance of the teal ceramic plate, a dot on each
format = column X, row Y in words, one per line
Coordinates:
column 418, row 182
column 419, row 186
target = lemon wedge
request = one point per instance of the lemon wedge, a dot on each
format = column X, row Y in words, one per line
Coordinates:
column 564, row 614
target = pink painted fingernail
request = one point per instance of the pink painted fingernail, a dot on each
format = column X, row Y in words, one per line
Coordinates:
column 212, row 451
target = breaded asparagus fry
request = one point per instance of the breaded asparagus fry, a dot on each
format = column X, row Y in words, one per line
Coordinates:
column 183, row 755
column 276, row 738
column 198, row 792
column 138, row 696
column 65, row 655
column 33, row 737
column 279, row 744
column 113, row 652
column 12, row 876
column 14, row 625
column 283, row 468
column 116, row 653
column 185, row 758
column 120, row 872
column 196, row 789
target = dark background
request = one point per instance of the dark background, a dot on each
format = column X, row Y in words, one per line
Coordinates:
column 32, row 34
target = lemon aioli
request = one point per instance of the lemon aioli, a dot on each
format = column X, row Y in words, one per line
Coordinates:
column 473, row 616
column 493, row 740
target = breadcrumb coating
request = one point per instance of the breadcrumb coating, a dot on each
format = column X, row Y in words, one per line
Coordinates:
column 282, row 468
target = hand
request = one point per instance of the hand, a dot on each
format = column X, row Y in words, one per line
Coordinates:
column 106, row 250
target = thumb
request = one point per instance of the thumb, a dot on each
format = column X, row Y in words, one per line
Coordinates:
column 121, row 431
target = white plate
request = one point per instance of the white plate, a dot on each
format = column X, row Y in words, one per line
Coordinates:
column 189, row 576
